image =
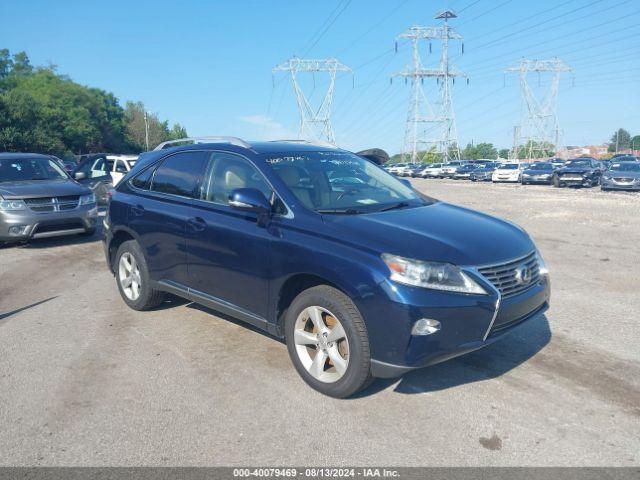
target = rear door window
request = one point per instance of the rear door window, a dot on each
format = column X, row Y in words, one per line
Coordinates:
column 180, row 174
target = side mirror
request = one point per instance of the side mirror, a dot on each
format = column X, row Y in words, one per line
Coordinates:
column 406, row 182
column 249, row 200
column 79, row 176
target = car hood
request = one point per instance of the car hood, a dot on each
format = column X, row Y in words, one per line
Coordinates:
column 509, row 170
column 438, row 232
column 41, row 188
column 538, row 172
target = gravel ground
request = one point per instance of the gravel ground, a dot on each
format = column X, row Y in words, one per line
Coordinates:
column 86, row 381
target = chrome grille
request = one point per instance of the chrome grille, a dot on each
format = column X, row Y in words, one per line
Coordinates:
column 506, row 279
column 53, row 204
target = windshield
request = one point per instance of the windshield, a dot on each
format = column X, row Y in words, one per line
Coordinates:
column 541, row 166
column 509, row 166
column 24, row 169
column 340, row 182
column 625, row 167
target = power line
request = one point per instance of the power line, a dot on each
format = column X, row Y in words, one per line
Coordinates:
column 326, row 29
column 384, row 19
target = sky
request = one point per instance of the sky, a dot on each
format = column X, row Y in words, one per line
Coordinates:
column 208, row 64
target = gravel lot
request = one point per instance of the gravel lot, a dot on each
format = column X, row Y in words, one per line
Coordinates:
column 86, row 381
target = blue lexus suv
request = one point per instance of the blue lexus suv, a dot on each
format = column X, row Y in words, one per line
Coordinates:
column 361, row 275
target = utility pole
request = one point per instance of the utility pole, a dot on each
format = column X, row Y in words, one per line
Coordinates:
column 146, row 130
column 421, row 111
column 539, row 128
column 315, row 123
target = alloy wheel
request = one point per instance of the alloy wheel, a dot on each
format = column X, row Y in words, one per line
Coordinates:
column 129, row 276
column 321, row 344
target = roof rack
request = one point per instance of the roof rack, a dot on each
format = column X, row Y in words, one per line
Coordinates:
column 232, row 140
column 318, row 143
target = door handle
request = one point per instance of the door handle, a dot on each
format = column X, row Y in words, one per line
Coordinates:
column 137, row 210
column 197, row 224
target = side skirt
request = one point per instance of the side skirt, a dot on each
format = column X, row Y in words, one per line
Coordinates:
column 216, row 304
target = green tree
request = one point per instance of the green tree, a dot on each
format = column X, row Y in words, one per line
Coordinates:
column 481, row 150
column 48, row 113
column 504, row 153
column 158, row 130
column 42, row 111
column 620, row 140
column 635, row 142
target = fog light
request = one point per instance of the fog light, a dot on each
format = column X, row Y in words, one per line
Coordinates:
column 425, row 326
column 16, row 230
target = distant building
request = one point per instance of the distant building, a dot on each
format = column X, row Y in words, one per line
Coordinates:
column 596, row 151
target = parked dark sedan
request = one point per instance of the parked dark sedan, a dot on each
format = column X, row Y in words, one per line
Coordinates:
column 580, row 172
column 463, row 172
column 539, row 172
column 622, row 176
column 483, row 173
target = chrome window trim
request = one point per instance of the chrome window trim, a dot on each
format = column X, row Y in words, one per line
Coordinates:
column 495, row 313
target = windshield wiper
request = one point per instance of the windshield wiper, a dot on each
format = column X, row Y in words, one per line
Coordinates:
column 394, row 206
column 346, row 211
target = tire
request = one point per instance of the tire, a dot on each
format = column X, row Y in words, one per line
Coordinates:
column 327, row 304
column 555, row 182
column 143, row 297
column 603, row 189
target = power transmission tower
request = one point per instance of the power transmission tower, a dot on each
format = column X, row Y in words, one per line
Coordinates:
column 539, row 127
column 315, row 123
column 421, row 112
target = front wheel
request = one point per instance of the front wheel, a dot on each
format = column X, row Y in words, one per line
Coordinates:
column 132, row 276
column 555, row 182
column 327, row 341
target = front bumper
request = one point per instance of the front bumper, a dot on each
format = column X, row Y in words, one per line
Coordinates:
column 481, row 177
column 23, row 225
column 576, row 181
column 536, row 179
column 468, row 323
column 615, row 185
column 505, row 178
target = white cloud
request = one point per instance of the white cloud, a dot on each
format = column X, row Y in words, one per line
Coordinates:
column 269, row 129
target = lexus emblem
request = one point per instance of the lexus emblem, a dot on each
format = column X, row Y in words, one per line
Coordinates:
column 523, row 275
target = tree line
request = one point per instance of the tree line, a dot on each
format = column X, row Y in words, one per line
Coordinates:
column 43, row 111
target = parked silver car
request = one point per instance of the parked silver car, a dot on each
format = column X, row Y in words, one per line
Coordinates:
column 39, row 199
column 622, row 176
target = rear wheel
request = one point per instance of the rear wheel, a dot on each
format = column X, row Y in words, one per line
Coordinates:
column 132, row 276
column 327, row 341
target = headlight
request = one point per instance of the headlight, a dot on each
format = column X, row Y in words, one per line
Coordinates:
column 87, row 199
column 438, row 276
column 541, row 265
column 12, row 205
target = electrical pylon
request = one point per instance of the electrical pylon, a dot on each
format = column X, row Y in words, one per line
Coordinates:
column 421, row 111
column 315, row 124
column 539, row 127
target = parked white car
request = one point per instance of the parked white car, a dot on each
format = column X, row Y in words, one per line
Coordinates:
column 448, row 169
column 395, row 169
column 507, row 172
column 432, row 171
